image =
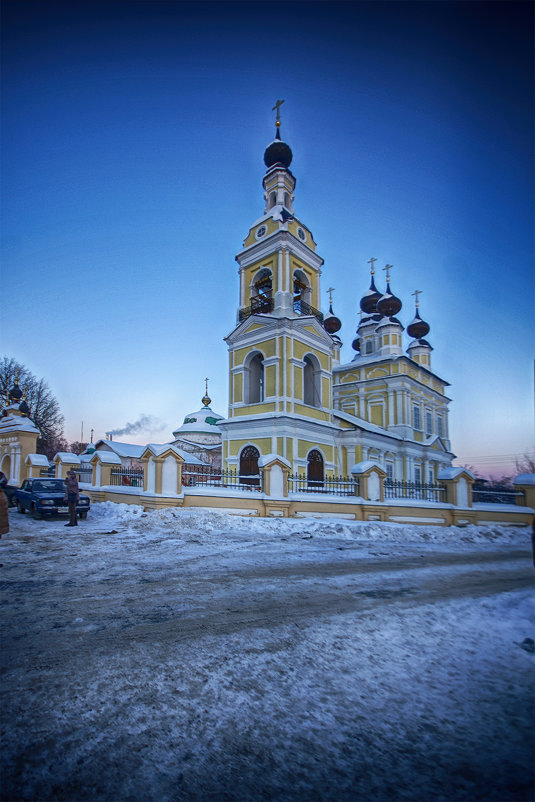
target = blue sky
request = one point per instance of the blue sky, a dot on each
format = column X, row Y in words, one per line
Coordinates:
column 133, row 137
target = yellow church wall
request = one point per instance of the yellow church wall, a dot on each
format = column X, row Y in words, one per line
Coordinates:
column 304, row 446
column 301, row 349
column 289, row 449
column 271, row 226
column 297, row 383
column 271, row 380
column 310, row 412
column 418, row 436
column 349, row 377
column 254, row 409
column 292, row 228
column 376, row 411
column 267, row 347
column 238, row 389
column 325, row 392
column 263, row 444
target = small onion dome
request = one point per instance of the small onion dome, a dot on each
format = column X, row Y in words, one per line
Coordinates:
column 15, row 394
column 24, row 408
column 278, row 152
column 356, row 344
column 370, row 320
column 331, row 323
column 388, row 305
column 418, row 328
column 389, row 321
column 368, row 302
column 206, row 400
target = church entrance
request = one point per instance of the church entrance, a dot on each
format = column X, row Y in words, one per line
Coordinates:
column 315, row 470
column 249, row 473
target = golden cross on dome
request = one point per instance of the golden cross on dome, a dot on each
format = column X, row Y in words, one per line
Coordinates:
column 206, row 385
column 388, row 268
column 277, row 106
column 330, row 291
column 372, row 263
column 416, row 293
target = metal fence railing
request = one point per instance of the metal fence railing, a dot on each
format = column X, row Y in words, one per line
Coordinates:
column 206, row 476
column 418, row 491
column 332, row 485
column 497, row 496
column 85, row 474
column 127, row 477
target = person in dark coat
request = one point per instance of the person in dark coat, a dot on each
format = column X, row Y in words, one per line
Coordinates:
column 4, row 515
column 73, row 495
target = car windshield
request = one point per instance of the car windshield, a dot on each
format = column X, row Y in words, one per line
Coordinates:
column 54, row 486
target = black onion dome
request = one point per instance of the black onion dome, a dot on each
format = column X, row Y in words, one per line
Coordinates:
column 331, row 323
column 278, row 152
column 388, row 305
column 368, row 302
column 24, row 408
column 418, row 328
column 356, row 344
column 15, row 394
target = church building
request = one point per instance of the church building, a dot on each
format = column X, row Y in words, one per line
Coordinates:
column 289, row 394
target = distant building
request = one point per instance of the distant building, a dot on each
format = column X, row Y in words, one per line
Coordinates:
column 200, row 434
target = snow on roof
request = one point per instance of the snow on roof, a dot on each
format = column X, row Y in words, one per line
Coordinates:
column 18, row 423
column 263, row 461
column 364, row 424
column 67, row 456
column 363, row 467
column 160, row 448
column 202, row 421
column 37, row 459
column 524, row 479
column 107, row 457
column 453, row 472
column 122, row 449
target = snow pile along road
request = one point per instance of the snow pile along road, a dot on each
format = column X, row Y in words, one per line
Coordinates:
column 189, row 655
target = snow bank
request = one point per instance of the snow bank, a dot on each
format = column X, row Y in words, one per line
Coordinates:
column 180, row 522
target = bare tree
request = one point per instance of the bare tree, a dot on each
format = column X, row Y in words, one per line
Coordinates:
column 526, row 463
column 77, row 447
column 44, row 409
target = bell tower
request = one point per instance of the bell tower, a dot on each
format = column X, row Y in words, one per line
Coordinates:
column 281, row 351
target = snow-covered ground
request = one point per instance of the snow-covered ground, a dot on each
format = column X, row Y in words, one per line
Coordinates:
column 189, row 655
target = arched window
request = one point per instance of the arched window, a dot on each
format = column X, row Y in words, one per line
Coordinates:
column 315, row 475
column 254, row 379
column 249, row 473
column 272, row 199
column 302, row 293
column 286, row 200
column 262, row 291
column 311, row 382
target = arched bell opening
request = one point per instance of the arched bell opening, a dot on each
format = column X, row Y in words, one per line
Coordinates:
column 262, row 291
column 249, row 471
column 302, row 293
column 315, row 469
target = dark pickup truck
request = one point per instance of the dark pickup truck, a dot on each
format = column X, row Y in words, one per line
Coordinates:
column 47, row 497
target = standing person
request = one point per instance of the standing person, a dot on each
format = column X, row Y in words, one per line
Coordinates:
column 73, row 494
column 4, row 516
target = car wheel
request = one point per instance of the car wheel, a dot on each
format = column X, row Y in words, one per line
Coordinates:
column 20, row 508
column 36, row 515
